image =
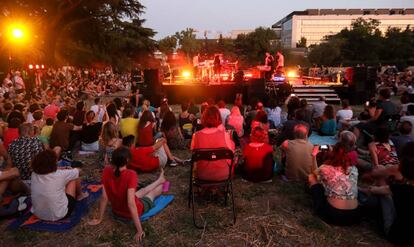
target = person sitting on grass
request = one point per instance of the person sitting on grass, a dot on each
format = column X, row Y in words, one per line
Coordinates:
column 334, row 188
column 120, row 190
column 108, row 142
column 90, row 132
column 328, row 124
column 396, row 198
column 381, row 151
column 399, row 141
column 172, row 132
column 10, row 181
column 129, row 124
column 300, row 156
column 146, row 159
column 55, row 192
column 44, row 136
column 258, row 158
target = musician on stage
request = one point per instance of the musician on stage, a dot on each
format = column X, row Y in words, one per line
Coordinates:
column 217, row 67
column 269, row 62
column 196, row 62
column 280, row 61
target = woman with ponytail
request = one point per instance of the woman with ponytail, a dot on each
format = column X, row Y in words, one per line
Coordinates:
column 119, row 188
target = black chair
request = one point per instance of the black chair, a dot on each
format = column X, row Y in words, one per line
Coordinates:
column 211, row 155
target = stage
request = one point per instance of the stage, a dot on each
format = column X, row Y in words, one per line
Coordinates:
column 178, row 93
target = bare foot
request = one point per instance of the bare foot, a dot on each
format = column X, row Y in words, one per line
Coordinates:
column 82, row 196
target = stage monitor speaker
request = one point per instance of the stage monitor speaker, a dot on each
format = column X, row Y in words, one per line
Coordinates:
column 256, row 89
column 359, row 79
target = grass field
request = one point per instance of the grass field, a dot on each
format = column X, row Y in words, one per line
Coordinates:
column 274, row 214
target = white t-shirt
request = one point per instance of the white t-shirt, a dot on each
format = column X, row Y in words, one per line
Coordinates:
column 224, row 113
column 274, row 115
column 318, row 108
column 48, row 193
column 100, row 110
column 344, row 114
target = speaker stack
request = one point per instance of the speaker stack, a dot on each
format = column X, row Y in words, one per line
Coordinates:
column 153, row 90
column 256, row 89
column 363, row 84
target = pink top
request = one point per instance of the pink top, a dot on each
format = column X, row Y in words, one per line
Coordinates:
column 212, row 138
column 51, row 111
column 237, row 123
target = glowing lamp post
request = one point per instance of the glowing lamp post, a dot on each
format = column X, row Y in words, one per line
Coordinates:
column 16, row 35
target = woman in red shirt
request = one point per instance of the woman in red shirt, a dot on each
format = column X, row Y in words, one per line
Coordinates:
column 119, row 187
column 146, row 129
column 11, row 133
column 258, row 158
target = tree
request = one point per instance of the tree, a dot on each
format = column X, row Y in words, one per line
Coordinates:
column 364, row 43
column 302, row 43
column 83, row 31
column 168, row 44
column 328, row 53
column 188, row 42
column 252, row 47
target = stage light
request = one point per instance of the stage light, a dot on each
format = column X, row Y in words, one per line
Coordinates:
column 17, row 33
column 292, row 74
column 37, row 66
column 186, row 74
column 30, row 66
column 248, row 75
column 42, row 66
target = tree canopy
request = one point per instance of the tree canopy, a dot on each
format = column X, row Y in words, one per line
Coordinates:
column 82, row 32
column 364, row 43
column 251, row 47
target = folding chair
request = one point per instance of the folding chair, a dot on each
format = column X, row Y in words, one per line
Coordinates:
column 211, row 155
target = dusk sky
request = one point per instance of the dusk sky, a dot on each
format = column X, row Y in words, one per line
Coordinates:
column 168, row 16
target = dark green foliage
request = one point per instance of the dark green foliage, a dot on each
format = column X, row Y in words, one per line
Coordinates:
column 82, row 32
column 364, row 43
column 251, row 47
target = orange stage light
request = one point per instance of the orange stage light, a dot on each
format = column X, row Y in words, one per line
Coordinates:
column 30, row 66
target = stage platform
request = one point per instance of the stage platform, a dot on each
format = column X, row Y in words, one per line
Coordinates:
column 200, row 92
column 178, row 93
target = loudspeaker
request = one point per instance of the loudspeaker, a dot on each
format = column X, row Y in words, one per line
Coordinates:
column 359, row 78
column 152, row 80
column 371, row 83
column 256, row 89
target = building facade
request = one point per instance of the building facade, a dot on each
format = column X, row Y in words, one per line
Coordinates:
column 316, row 24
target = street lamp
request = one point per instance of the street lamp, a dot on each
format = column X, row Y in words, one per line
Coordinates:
column 16, row 34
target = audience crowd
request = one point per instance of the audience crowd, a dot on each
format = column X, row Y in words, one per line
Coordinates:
column 44, row 126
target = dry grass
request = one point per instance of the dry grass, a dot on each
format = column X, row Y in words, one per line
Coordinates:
column 275, row 214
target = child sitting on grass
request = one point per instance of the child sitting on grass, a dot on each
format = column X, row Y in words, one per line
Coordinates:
column 119, row 187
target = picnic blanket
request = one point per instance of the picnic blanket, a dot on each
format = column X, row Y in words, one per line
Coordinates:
column 160, row 203
column 316, row 139
column 30, row 221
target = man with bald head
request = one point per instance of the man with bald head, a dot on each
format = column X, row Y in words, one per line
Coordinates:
column 300, row 161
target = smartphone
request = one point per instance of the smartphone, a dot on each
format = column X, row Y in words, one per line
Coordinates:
column 323, row 147
column 367, row 103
